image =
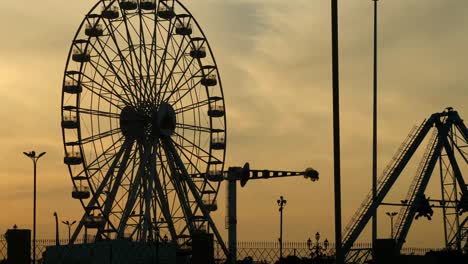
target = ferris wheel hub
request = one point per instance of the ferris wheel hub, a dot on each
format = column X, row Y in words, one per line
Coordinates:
column 148, row 122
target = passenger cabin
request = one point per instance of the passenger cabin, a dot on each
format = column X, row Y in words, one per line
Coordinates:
column 183, row 25
column 166, row 12
column 81, row 192
column 94, row 30
column 183, row 28
column 73, row 158
column 128, row 4
column 111, row 12
column 215, row 176
column 80, row 55
column 198, row 51
column 70, row 121
column 216, row 110
column 72, row 87
column 148, row 4
column 218, row 142
column 209, row 80
column 94, row 221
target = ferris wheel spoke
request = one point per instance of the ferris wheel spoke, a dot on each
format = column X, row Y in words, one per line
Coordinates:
column 162, row 65
column 180, row 54
column 177, row 86
column 123, row 58
column 99, row 136
column 183, row 149
column 112, row 90
column 133, row 56
column 99, row 93
column 143, row 53
column 93, row 112
column 194, row 145
column 149, row 57
column 194, row 128
column 102, row 157
column 193, row 106
column 118, row 72
column 189, row 89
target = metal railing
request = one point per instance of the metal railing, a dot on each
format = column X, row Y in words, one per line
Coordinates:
column 259, row 251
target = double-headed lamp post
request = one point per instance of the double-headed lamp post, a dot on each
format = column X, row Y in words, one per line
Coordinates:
column 281, row 203
column 391, row 215
column 69, row 225
column 318, row 249
column 34, row 158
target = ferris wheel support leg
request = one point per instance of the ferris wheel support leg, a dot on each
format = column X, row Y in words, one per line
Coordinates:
column 147, row 189
column 99, row 190
column 131, row 200
column 161, row 198
column 195, row 193
column 116, row 184
column 181, row 193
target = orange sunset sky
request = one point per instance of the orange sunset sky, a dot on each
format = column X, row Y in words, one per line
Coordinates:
column 275, row 62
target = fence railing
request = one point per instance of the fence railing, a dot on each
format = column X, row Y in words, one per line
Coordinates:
column 262, row 251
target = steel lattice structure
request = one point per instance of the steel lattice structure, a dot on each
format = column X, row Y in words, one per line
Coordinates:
column 446, row 146
column 142, row 111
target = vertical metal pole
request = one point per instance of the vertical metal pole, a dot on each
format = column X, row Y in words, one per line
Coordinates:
column 57, row 239
column 374, row 132
column 336, row 131
column 281, row 233
column 34, row 214
column 391, row 226
column 232, row 218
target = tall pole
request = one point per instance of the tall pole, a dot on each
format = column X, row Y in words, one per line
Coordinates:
column 391, row 215
column 57, row 239
column 336, row 131
column 374, row 132
column 34, row 214
column 34, row 158
column 281, row 203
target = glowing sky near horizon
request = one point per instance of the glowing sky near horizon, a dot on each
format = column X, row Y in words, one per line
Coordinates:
column 274, row 58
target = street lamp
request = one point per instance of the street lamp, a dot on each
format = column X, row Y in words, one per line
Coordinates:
column 34, row 158
column 57, row 239
column 69, row 225
column 391, row 215
column 318, row 249
column 281, row 203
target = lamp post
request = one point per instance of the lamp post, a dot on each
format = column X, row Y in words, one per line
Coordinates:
column 391, row 215
column 281, row 203
column 57, row 238
column 69, row 225
column 318, row 250
column 34, row 158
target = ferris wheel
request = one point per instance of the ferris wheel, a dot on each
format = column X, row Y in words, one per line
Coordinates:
column 143, row 122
